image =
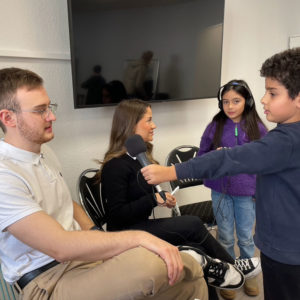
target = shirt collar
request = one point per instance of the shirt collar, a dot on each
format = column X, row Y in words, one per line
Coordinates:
column 19, row 154
column 230, row 122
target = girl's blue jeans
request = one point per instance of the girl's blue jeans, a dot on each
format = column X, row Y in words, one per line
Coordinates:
column 238, row 212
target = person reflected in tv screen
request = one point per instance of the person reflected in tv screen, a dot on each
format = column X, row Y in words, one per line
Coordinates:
column 138, row 77
column 113, row 92
column 94, row 85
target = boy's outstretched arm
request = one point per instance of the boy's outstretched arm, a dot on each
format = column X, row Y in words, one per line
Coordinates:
column 155, row 174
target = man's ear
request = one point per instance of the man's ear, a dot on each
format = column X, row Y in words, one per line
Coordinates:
column 8, row 118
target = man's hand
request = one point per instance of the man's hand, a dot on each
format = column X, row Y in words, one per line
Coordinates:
column 155, row 174
column 45, row 234
column 81, row 217
column 169, row 253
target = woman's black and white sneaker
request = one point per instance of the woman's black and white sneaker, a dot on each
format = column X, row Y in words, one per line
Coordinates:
column 223, row 275
column 218, row 274
column 250, row 267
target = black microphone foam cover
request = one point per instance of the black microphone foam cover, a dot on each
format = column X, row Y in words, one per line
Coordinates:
column 135, row 145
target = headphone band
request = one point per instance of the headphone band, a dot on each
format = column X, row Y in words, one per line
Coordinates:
column 249, row 102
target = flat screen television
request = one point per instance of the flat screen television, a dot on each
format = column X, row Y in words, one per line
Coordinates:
column 156, row 50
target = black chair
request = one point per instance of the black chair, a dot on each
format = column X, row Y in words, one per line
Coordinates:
column 90, row 197
column 201, row 209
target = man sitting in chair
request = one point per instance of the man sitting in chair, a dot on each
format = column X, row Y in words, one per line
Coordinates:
column 46, row 247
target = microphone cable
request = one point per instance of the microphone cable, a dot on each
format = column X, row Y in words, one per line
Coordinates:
column 167, row 231
column 146, row 192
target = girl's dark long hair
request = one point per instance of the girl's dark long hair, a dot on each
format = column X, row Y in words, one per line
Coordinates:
column 250, row 116
column 126, row 116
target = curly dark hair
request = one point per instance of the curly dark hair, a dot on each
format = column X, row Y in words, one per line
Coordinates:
column 285, row 68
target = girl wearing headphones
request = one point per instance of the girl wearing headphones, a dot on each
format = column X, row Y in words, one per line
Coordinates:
column 235, row 124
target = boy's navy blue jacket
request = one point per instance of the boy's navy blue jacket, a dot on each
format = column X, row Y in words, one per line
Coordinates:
column 276, row 160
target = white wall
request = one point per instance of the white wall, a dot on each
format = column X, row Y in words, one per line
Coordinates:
column 255, row 30
column 34, row 34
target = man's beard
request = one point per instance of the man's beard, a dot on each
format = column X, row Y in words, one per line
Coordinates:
column 32, row 134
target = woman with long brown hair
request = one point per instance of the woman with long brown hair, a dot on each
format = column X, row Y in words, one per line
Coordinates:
column 129, row 199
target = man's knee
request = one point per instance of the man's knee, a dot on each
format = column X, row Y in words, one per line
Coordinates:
column 192, row 268
column 147, row 266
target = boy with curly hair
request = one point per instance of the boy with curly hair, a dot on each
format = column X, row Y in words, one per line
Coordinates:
column 276, row 161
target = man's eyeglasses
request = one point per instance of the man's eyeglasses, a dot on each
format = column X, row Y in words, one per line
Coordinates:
column 45, row 112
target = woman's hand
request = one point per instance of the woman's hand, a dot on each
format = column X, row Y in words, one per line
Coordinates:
column 170, row 200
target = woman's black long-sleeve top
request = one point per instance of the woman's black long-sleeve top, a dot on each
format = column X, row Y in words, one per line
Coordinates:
column 128, row 197
column 129, row 203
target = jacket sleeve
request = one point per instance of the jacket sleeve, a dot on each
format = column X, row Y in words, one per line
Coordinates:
column 265, row 156
column 121, row 207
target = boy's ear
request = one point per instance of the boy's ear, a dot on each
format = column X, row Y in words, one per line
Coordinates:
column 297, row 99
column 8, row 118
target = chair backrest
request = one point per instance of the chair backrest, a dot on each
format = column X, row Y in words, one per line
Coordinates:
column 201, row 209
column 90, row 196
column 178, row 155
column 7, row 292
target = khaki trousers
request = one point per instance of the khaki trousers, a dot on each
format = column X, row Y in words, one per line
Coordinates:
column 134, row 274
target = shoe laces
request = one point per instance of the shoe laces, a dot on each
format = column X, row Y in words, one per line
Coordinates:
column 243, row 264
column 216, row 269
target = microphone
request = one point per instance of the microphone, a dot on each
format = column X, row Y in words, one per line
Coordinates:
column 136, row 147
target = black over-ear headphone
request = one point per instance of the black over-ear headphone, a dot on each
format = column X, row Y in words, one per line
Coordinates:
column 249, row 100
